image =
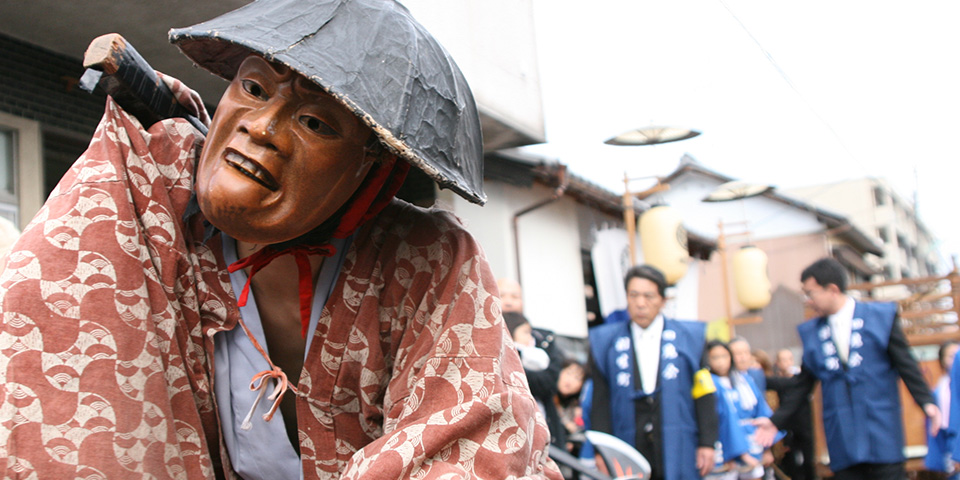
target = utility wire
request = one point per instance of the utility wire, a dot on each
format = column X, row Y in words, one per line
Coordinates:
column 793, row 87
column 803, row 99
column 829, row 127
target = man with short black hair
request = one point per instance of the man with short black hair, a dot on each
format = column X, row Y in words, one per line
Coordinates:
column 856, row 350
column 648, row 386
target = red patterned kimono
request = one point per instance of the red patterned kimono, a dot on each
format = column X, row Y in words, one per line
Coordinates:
column 110, row 304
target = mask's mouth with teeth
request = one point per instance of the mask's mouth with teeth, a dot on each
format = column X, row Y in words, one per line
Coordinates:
column 253, row 170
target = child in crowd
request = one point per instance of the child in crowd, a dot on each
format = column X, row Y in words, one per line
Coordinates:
column 567, row 400
column 738, row 403
column 534, row 359
column 940, row 448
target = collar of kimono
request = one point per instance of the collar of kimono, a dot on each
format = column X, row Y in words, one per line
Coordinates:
column 373, row 195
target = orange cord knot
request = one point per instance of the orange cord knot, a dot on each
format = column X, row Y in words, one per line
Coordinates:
column 259, row 382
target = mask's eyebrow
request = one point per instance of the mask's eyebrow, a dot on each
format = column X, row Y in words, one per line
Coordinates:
column 303, row 83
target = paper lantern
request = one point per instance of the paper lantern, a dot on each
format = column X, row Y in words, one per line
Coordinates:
column 750, row 278
column 664, row 242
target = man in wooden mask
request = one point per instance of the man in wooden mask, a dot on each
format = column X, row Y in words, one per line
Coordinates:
column 273, row 311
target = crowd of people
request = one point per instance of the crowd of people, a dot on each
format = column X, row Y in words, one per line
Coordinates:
column 376, row 323
column 705, row 408
column 255, row 302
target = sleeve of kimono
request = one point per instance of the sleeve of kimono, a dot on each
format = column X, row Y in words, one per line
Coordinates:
column 733, row 441
column 599, row 417
column 586, row 403
column 543, row 383
column 98, row 371
column 938, row 447
column 901, row 358
column 458, row 404
column 706, row 420
column 778, row 384
column 796, row 389
column 763, row 409
column 704, row 393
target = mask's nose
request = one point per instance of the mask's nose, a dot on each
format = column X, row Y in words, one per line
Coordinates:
column 265, row 125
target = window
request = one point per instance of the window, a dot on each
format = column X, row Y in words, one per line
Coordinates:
column 21, row 169
column 8, row 176
column 902, row 241
column 882, row 233
column 879, row 196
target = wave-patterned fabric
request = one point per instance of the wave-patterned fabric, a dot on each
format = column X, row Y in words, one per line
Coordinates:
column 109, row 304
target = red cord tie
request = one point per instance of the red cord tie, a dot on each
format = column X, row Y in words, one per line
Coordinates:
column 373, row 195
column 301, row 254
column 257, row 261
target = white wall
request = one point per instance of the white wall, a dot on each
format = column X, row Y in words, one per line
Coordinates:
column 855, row 199
column 683, row 298
column 551, row 270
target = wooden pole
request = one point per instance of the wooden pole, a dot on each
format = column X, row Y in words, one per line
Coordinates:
column 722, row 248
column 629, row 219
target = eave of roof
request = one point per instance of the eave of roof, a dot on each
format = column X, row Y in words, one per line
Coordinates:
column 836, row 224
column 524, row 170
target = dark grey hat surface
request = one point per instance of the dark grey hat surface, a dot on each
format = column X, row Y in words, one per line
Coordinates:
column 372, row 56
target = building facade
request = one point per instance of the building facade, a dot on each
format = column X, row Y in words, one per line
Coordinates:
column 909, row 249
column 793, row 234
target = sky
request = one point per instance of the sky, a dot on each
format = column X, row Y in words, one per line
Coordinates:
column 784, row 93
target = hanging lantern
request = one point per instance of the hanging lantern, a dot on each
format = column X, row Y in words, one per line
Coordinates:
column 750, row 277
column 664, row 242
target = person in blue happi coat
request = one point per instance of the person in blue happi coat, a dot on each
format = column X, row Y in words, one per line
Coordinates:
column 733, row 445
column 745, row 402
column 648, row 388
column 941, row 447
column 857, row 351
